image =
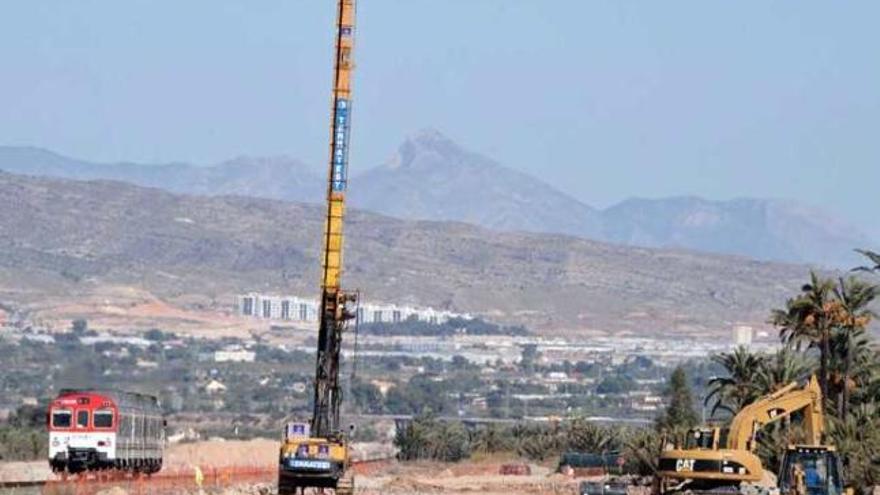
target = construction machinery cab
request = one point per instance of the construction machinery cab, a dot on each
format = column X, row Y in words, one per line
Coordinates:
column 709, row 438
column 811, row 470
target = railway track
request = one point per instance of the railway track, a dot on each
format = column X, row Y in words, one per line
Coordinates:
column 190, row 479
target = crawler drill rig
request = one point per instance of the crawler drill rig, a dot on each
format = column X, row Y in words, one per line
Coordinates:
column 316, row 454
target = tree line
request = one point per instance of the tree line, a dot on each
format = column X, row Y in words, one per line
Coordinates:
column 426, row 437
column 824, row 331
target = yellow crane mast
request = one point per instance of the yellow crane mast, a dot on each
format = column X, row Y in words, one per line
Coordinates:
column 315, row 454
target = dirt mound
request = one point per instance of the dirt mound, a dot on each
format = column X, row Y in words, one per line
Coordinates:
column 215, row 453
column 402, row 485
column 24, row 471
column 113, row 491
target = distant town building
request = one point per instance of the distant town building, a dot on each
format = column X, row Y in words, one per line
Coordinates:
column 234, row 356
column 215, row 387
column 647, row 403
column 557, row 376
column 742, row 335
column 292, row 308
column 383, row 385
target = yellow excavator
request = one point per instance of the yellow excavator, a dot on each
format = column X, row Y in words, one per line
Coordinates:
column 315, row 454
column 717, row 460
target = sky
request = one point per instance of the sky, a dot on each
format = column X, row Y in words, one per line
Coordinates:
column 603, row 99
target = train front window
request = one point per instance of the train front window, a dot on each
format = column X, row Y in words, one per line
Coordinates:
column 104, row 418
column 82, row 419
column 61, row 418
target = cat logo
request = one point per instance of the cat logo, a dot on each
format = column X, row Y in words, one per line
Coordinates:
column 684, row 465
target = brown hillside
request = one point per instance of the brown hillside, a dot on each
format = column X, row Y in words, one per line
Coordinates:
column 64, row 242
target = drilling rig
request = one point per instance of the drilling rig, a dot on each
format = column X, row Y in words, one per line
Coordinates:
column 316, row 454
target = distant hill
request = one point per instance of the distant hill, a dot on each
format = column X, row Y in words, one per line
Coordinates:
column 432, row 178
column 69, row 241
column 266, row 177
column 761, row 228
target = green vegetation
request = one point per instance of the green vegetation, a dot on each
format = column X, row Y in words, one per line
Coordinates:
column 616, row 384
column 426, row 437
column 680, row 412
column 873, row 259
column 260, row 394
column 740, row 387
column 23, row 436
column 824, row 331
column 454, row 326
column 79, row 327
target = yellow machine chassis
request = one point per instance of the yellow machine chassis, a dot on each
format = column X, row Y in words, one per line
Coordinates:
column 292, row 478
column 718, row 465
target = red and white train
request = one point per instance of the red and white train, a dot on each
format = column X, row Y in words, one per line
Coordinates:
column 105, row 429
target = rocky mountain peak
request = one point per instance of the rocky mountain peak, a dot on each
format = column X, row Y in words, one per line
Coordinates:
column 427, row 147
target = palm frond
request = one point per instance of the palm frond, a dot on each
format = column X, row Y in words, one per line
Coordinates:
column 872, row 257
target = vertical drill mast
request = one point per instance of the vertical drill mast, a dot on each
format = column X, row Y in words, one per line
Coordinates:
column 325, row 418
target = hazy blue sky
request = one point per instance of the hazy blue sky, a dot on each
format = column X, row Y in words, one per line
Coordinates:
column 603, row 99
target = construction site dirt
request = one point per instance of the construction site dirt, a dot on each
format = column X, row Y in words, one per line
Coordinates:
column 250, row 467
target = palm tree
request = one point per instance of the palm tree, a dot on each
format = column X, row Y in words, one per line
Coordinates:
column 857, row 438
column 492, row 438
column 870, row 391
column 807, row 319
column 539, row 442
column 642, row 447
column 851, row 317
column 780, row 369
column 873, row 258
column 583, row 436
column 774, row 439
column 741, row 386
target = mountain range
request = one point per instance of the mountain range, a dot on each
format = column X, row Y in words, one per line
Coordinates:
column 430, row 177
column 100, row 249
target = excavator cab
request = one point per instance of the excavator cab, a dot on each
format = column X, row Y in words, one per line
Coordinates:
column 811, row 470
column 707, row 438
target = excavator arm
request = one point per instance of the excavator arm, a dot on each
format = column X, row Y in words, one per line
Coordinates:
column 775, row 407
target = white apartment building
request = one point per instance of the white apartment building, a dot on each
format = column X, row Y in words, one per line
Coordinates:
column 292, row 308
column 742, row 335
column 234, row 356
